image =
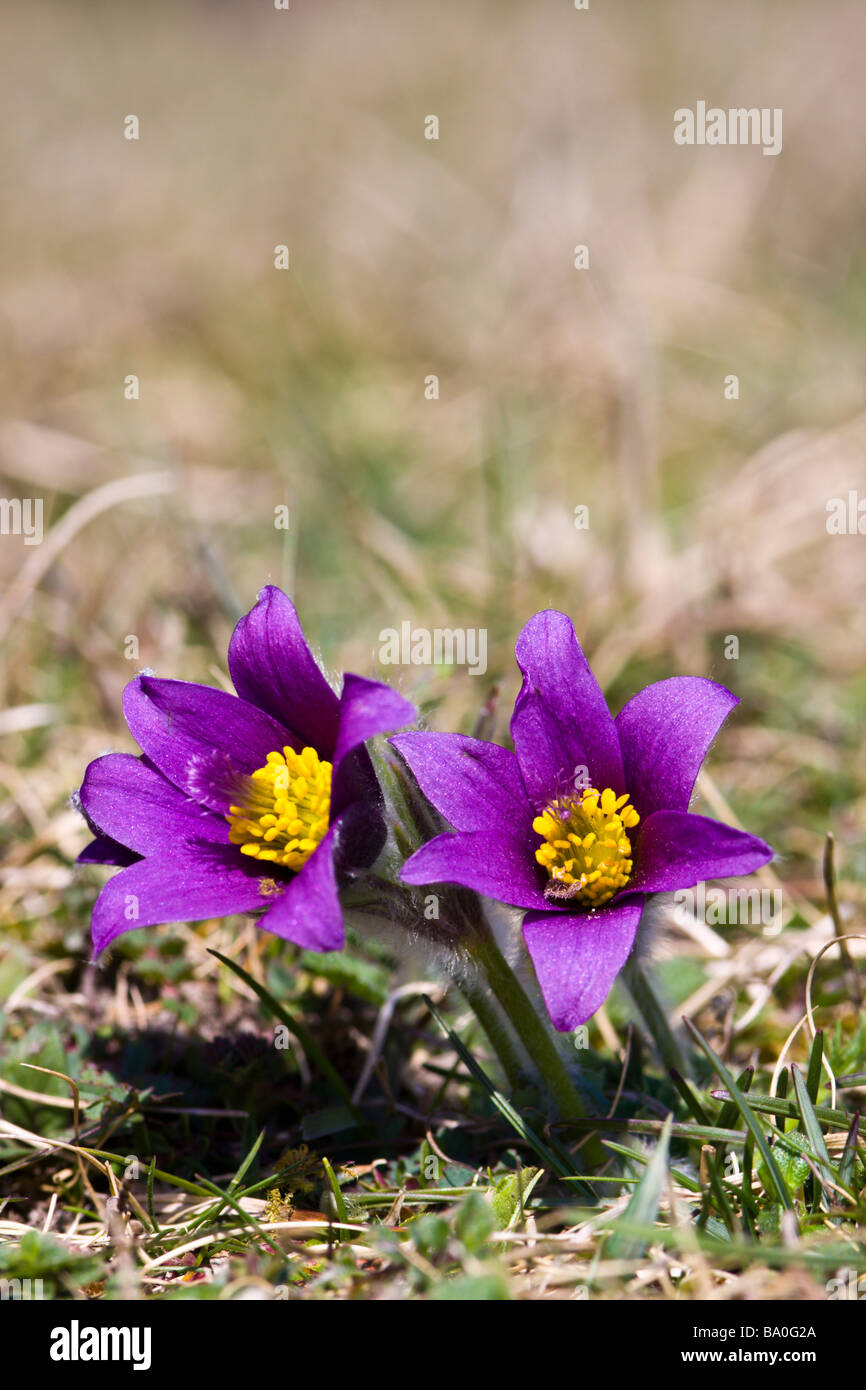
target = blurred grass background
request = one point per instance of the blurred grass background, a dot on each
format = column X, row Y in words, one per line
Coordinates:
column 409, row 257
column 304, row 388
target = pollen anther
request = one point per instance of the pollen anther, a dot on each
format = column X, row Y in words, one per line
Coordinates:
column 586, row 850
column 286, row 809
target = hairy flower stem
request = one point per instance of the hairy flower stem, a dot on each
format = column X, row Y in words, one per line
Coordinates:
column 513, row 1024
column 540, row 1046
column 388, row 905
column 499, row 1034
column 639, row 985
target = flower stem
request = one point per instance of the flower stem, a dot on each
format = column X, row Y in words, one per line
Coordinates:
column 639, row 985
column 534, row 1036
column 515, row 1027
column 500, row 1036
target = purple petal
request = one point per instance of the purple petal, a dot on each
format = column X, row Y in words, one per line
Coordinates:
column 476, row 785
column 677, row 850
column 272, row 667
column 367, row 708
column 181, row 726
column 561, row 722
column 665, row 732
column 489, row 864
column 309, row 912
column 103, row 850
column 186, row 886
column 137, row 806
column 577, row 959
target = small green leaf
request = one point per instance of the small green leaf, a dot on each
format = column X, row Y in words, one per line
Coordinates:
column 769, row 1219
column 475, row 1222
column 429, row 1234
column 363, row 978
column 492, row 1287
column 508, row 1195
column 788, row 1150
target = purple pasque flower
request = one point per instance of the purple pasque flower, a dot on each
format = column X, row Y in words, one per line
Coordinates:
column 241, row 802
column 586, row 817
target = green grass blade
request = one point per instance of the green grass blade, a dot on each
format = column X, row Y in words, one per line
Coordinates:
column 849, row 1155
column 854, row 1078
column 151, row 1169
column 216, row 1210
column 244, row 1167
column 194, row 1189
column 680, row 1129
column 549, row 1158
column 750, row 1209
column 688, row 1095
column 339, row 1200
column 813, row 1071
column 643, row 1206
column 739, row 1100
column 781, row 1093
column 246, row 1217
column 682, row 1178
column 718, row 1192
column 728, row 1112
column 811, row 1128
column 787, row 1110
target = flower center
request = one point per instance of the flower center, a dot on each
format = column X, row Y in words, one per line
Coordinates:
column 286, row 808
column 586, row 850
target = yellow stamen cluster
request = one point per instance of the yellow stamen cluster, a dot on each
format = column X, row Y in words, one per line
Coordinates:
column 586, row 849
column 287, row 804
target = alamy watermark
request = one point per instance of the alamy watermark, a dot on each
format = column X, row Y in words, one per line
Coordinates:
column 738, row 125
column 733, row 906
column 439, row 646
column 848, row 1285
column 21, row 1289
column 846, row 516
column 22, row 516
column 77, row 1343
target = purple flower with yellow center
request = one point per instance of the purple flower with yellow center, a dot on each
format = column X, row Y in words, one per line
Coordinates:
column 585, row 818
column 255, row 802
